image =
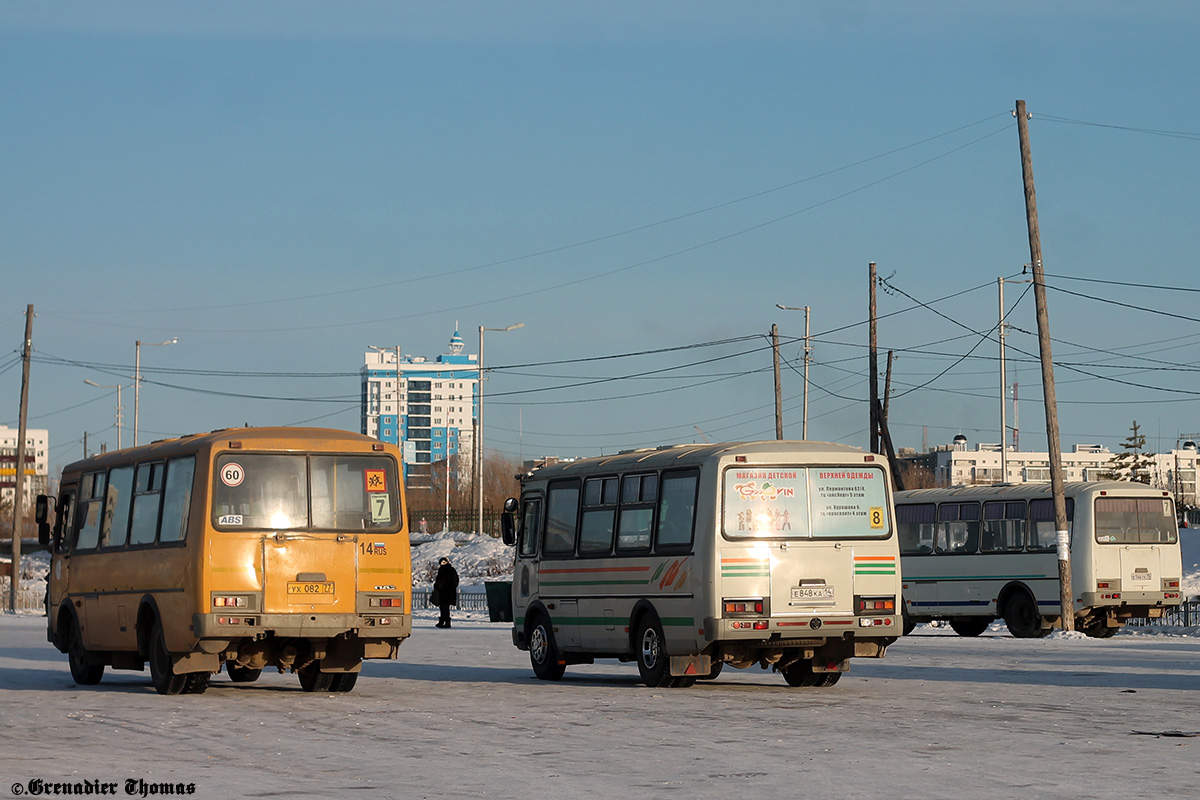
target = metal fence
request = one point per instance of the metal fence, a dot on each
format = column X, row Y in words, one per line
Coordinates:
column 1186, row 616
column 467, row 601
column 463, row 521
column 30, row 597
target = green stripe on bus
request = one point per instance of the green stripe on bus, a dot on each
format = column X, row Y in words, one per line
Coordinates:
column 594, row 583
column 763, row 574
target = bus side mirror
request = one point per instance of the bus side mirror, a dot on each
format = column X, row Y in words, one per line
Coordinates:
column 508, row 527
column 42, row 516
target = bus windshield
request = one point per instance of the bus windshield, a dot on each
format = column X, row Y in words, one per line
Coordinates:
column 776, row 502
column 296, row 492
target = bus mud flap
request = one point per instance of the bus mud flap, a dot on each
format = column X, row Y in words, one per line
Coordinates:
column 697, row 666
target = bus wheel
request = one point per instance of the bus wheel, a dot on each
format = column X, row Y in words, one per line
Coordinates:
column 970, row 626
column 543, row 652
column 909, row 625
column 313, row 680
column 82, row 672
column 196, row 683
column 653, row 662
column 343, row 682
column 1100, row 630
column 1022, row 618
column 165, row 681
column 241, row 674
column 827, row 679
column 799, row 673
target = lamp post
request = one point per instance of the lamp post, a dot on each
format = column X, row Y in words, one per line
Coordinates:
column 479, row 422
column 807, row 350
column 137, row 377
column 120, row 408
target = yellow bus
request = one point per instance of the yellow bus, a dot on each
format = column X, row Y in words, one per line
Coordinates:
column 240, row 549
column 688, row 558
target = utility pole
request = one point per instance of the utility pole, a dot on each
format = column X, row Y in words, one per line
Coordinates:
column 887, row 387
column 1003, row 390
column 14, row 583
column 874, row 366
column 778, row 389
column 1066, row 594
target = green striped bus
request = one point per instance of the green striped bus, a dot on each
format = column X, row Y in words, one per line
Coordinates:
column 687, row 558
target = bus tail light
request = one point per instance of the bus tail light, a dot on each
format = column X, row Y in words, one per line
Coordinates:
column 1170, row 583
column 734, row 606
column 230, row 601
column 387, row 602
column 1108, row 583
column 875, row 606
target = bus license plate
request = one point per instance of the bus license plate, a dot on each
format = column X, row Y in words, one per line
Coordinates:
column 824, row 593
column 309, row 588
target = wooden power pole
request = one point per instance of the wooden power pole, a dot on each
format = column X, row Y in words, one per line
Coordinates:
column 14, row 583
column 1066, row 594
column 873, row 358
column 778, row 388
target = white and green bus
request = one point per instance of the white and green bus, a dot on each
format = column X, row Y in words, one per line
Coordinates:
column 686, row 558
column 974, row 554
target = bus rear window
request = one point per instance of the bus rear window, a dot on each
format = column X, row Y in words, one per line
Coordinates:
column 295, row 492
column 1135, row 520
column 803, row 503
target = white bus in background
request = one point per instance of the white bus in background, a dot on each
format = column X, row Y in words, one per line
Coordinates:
column 686, row 558
column 974, row 554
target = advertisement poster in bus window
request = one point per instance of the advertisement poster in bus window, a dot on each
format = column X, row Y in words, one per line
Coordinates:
column 848, row 502
column 766, row 502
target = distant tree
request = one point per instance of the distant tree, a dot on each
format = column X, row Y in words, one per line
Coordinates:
column 1133, row 463
column 915, row 476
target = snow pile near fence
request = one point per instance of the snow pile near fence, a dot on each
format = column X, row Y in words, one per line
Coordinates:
column 1189, row 544
column 477, row 558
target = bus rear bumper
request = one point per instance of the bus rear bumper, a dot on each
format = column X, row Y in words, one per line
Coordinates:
column 216, row 631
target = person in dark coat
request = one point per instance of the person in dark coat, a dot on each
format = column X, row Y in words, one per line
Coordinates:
column 445, row 586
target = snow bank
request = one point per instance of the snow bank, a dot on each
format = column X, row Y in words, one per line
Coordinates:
column 477, row 558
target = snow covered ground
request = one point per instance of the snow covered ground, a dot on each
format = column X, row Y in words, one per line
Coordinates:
column 459, row 714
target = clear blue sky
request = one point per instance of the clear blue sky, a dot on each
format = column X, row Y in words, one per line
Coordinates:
column 282, row 184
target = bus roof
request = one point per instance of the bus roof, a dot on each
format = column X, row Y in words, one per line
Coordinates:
column 692, row 454
column 273, row 437
column 1025, row 491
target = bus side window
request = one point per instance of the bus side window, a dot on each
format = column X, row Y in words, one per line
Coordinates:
column 115, row 528
column 562, row 518
column 916, row 523
column 676, row 511
column 63, row 523
column 1003, row 526
column 91, row 511
column 1043, row 537
column 531, row 527
column 147, row 490
column 177, row 499
column 599, row 513
column 634, row 522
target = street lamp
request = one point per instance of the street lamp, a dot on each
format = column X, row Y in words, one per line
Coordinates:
column 479, row 421
column 807, row 350
column 137, row 377
column 120, row 409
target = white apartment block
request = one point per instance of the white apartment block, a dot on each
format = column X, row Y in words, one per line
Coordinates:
column 37, row 463
column 956, row 465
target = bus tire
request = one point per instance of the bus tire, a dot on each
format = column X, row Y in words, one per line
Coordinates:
column 543, row 651
column 653, row 663
column 800, row 674
column 827, row 679
column 82, row 672
column 970, row 626
column 196, row 682
column 164, row 679
column 909, row 625
column 241, row 674
column 1022, row 618
column 313, row 680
